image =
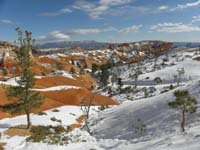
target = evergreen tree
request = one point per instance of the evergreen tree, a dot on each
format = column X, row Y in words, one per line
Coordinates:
column 94, row 68
column 185, row 103
column 72, row 61
column 104, row 75
column 120, row 83
column 26, row 99
column 72, row 70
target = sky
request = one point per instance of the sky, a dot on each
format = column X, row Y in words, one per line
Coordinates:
column 101, row 20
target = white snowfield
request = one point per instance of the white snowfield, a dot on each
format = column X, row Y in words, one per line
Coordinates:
column 11, row 81
column 114, row 128
column 191, row 68
column 160, row 120
column 67, row 114
column 57, row 88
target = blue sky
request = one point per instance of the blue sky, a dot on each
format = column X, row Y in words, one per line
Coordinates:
column 102, row 20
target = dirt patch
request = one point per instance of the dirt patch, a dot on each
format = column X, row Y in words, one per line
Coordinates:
column 60, row 98
column 2, row 145
column 81, row 119
column 83, row 81
column 78, row 124
column 77, row 96
column 17, row 131
column 197, row 58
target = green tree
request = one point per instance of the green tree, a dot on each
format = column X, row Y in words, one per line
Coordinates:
column 26, row 99
column 120, row 83
column 72, row 70
column 104, row 75
column 185, row 103
column 94, row 68
column 72, row 62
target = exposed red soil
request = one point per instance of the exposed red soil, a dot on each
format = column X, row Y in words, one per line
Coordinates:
column 55, row 99
column 83, row 81
column 197, row 58
column 77, row 97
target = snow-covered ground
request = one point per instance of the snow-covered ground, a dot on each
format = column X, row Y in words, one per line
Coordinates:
column 67, row 115
column 57, row 88
column 115, row 128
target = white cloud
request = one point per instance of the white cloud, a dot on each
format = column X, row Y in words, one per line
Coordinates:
column 113, row 2
column 57, row 13
column 179, row 6
column 67, row 34
column 53, row 36
column 5, row 21
column 84, row 5
column 134, row 28
column 196, row 19
column 187, row 5
column 175, row 27
column 96, row 10
column 163, row 7
column 88, row 31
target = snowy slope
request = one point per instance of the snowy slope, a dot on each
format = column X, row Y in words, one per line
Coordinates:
column 67, row 114
column 154, row 111
column 113, row 128
column 191, row 68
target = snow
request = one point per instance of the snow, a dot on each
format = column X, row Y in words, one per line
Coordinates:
column 191, row 68
column 64, row 74
column 57, row 88
column 67, row 75
column 67, row 114
column 11, row 81
column 113, row 128
column 19, row 143
column 64, row 114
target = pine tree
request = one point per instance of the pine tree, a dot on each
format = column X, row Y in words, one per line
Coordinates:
column 26, row 99
column 185, row 103
column 104, row 75
column 72, row 70
column 94, row 68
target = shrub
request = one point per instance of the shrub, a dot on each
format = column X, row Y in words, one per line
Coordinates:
column 39, row 133
column 46, row 134
column 158, row 80
column 139, row 127
column 72, row 70
column 171, row 87
column 4, row 72
column 55, row 110
column 41, row 113
column 55, row 120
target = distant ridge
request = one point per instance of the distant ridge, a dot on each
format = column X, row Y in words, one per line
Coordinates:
column 86, row 45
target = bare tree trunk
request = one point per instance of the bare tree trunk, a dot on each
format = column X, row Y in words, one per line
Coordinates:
column 28, row 119
column 136, row 80
column 183, row 120
column 155, row 63
column 87, row 113
column 178, row 82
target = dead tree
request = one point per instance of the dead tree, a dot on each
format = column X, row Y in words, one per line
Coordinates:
column 178, row 77
column 135, row 75
column 85, row 107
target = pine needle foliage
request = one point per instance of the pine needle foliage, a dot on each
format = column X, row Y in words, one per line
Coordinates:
column 185, row 103
column 26, row 99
